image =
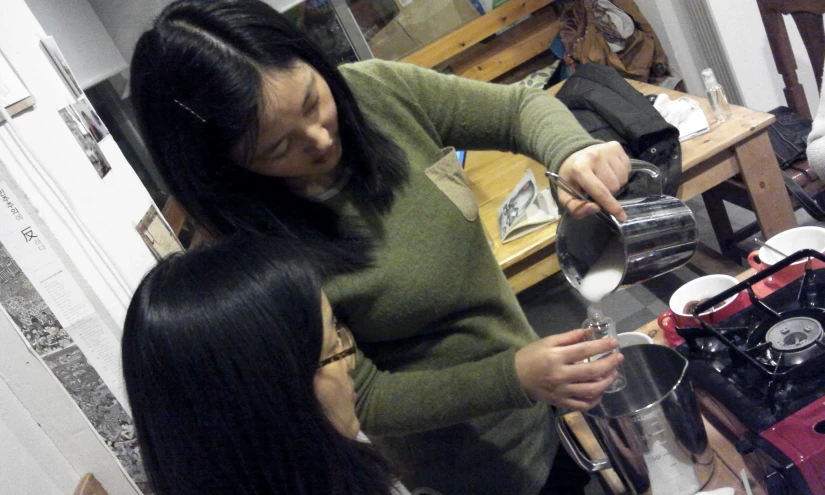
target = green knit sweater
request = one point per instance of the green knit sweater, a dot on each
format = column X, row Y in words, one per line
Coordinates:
column 436, row 319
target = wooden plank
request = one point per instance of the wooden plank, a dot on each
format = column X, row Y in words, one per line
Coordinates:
column 90, row 486
column 533, row 269
column 711, row 173
column 514, row 47
column 588, row 443
column 766, row 189
column 473, row 32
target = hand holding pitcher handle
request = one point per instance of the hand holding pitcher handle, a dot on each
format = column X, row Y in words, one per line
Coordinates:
column 599, row 170
column 649, row 169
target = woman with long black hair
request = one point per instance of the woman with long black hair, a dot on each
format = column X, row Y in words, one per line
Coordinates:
column 237, row 374
column 254, row 130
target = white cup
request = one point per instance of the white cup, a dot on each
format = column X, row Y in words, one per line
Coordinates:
column 627, row 339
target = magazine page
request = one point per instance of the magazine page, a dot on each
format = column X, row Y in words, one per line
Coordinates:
column 525, row 209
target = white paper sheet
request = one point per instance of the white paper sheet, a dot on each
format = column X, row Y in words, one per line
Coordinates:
column 58, row 288
column 12, row 89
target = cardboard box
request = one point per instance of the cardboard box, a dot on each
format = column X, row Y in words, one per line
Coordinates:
column 420, row 23
column 392, row 42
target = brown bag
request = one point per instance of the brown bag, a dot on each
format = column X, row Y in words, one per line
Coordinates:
column 584, row 40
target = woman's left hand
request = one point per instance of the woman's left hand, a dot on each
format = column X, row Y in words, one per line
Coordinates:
column 599, row 170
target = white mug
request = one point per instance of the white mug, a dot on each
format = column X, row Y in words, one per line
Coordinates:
column 627, row 339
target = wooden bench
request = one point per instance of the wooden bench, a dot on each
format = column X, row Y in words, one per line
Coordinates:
column 484, row 62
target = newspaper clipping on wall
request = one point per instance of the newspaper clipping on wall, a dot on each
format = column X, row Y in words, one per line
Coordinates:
column 63, row 330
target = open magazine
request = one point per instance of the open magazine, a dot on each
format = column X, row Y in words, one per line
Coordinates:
column 526, row 209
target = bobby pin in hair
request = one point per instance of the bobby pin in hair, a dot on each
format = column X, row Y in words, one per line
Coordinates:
column 203, row 120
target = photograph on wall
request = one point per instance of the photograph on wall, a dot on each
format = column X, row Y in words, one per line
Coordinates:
column 157, row 234
column 46, row 336
column 62, row 67
column 28, row 310
column 90, row 119
column 14, row 96
column 85, row 139
column 101, row 408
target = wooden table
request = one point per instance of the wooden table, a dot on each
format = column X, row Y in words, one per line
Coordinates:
column 738, row 145
column 728, row 462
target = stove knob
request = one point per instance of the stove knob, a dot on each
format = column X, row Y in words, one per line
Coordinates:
column 744, row 446
column 775, row 484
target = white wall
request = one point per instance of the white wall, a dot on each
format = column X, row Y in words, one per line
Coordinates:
column 109, row 208
column 745, row 43
column 29, row 462
column 46, row 443
column 125, row 21
column 675, row 39
column 83, row 40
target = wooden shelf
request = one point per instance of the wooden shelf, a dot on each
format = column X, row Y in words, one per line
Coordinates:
column 509, row 50
column 473, row 32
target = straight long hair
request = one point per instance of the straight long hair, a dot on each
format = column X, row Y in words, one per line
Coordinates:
column 220, row 348
column 196, row 84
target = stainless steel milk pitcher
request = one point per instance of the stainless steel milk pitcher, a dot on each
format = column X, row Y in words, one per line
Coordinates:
column 651, row 430
column 659, row 235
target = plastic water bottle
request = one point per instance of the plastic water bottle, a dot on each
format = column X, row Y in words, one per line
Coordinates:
column 719, row 105
column 603, row 327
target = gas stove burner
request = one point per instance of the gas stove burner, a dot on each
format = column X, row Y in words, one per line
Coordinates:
column 794, row 333
column 790, row 339
column 793, row 341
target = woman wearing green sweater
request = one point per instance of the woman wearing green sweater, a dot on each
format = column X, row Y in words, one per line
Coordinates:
column 254, row 130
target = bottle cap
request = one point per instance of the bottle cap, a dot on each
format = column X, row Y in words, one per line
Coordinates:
column 709, row 78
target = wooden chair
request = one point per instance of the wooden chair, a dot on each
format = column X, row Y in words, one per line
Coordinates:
column 808, row 16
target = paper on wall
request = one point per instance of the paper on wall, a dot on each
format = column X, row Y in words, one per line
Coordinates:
column 59, row 324
column 58, row 288
column 12, row 89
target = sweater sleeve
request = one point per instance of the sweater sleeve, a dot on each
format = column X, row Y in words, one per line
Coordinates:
column 816, row 140
column 470, row 114
column 450, row 396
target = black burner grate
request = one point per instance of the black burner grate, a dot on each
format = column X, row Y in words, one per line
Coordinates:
column 784, row 375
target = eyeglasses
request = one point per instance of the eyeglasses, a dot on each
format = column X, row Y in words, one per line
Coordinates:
column 348, row 349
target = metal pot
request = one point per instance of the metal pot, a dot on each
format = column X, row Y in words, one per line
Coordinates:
column 651, row 430
column 659, row 235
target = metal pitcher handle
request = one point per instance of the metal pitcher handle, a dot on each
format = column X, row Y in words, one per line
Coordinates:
column 649, row 169
column 580, row 457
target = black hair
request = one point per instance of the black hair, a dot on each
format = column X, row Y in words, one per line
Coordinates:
column 196, row 84
column 220, row 348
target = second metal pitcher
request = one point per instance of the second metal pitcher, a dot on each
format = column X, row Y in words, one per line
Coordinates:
column 651, row 430
column 598, row 253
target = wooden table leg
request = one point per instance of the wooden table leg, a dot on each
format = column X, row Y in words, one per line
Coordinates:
column 766, row 189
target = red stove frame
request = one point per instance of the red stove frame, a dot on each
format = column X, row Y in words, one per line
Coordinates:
column 784, row 448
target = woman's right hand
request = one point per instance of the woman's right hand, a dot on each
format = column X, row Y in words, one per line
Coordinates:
column 553, row 370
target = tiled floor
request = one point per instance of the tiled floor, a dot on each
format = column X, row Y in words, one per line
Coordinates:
column 554, row 307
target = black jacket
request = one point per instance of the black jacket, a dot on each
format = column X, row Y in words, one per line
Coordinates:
column 610, row 109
